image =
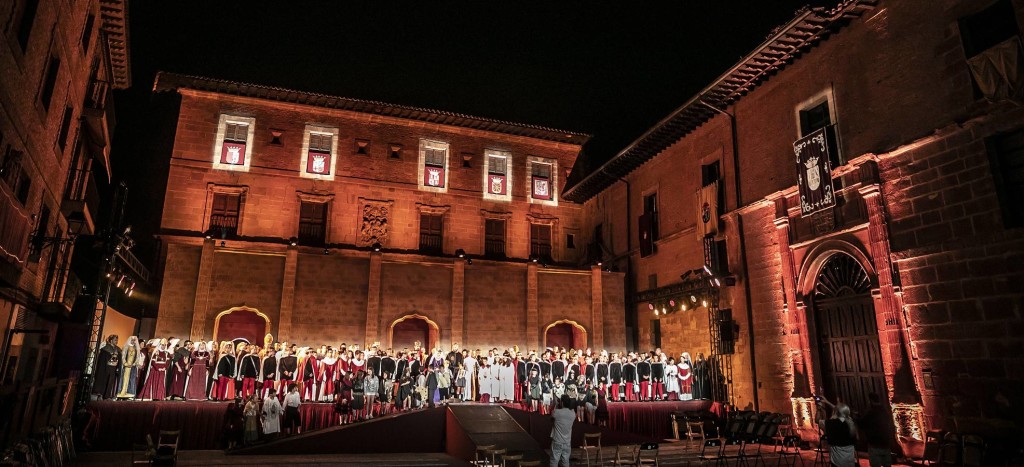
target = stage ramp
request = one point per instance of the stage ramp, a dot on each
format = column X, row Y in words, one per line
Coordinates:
column 471, row 425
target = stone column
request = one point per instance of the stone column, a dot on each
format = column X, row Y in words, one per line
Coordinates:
column 202, row 300
column 898, row 374
column 532, row 315
column 794, row 315
column 596, row 307
column 284, row 325
column 373, row 299
column 458, row 302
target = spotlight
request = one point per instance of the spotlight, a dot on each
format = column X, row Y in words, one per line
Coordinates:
column 293, row 241
column 209, row 234
column 684, row 307
column 120, row 280
column 460, row 253
column 650, row 306
column 707, row 270
column 376, row 247
column 469, row 261
column 326, row 251
column 693, row 298
column 655, row 312
column 664, row 311
column 130, row 292
column 534, row 258
column 672, row 303
column 108, row 273
column 704, row 303
column 718, row 283
column 223, row 243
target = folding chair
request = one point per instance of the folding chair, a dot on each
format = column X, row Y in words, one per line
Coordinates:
column 972, row 451
column 592, row 442
column 142, row 454
column 790, row 451
column 167, row 447
column 647, row 454
column 733, row 450
column 712, row 450
column 629, row 451
column 481, row 454
column 821, row 452
column 694, row 434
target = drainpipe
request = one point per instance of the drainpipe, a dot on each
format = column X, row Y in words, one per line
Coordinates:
column 743, row 248
column 630, row 305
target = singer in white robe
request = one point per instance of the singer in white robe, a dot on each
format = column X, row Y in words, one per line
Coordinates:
column 508, row 382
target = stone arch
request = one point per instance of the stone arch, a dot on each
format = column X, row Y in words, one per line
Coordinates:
column 578, row 333
column 245, row 326
column 819, row 254
column 433, row 331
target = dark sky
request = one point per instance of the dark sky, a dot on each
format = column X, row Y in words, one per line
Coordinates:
column 608, row 69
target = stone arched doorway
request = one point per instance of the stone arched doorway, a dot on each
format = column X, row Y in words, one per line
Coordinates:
column 849, row 355
column 404, row 332
column 565, row 333
column 241, row 322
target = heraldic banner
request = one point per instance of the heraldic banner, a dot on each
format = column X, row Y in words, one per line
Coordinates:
column 814, row 173
column 707, row 209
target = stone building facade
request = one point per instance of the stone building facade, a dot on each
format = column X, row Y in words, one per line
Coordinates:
column 321, row 219
column 59, row 64
column 908, row 283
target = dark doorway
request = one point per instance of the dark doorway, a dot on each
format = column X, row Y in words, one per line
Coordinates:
column 407, row 332
column 565, row 335
column 844, row 315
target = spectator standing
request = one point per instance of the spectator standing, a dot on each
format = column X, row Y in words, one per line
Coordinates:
column 561, row 431
column 879, row 432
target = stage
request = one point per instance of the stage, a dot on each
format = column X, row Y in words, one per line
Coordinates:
column 116, row 425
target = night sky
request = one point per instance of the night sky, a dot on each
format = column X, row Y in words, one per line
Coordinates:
column 611, row 71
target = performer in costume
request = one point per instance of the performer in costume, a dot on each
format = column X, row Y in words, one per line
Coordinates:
column 328, row 376
column 211, row 381
column 131, row 360
column 156, row 374
column 108, row 368
column 198, row 373
column 685, row 369
column 672, row 380
column 225, row 373
column 602, row 374
column 615, row 377
column 657, row 378
column 248, row 371
column 179, row 369
column 643, row 370
column 590, row 372
column 629, row 378
column 268, row 372
column 310, row 368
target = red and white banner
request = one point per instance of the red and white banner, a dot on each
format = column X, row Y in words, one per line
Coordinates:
column 707, row 209
column 814, row 172
column 232, row 153
column 496, row 184
column 318, row 163
column 433, row 176
column 541, row 188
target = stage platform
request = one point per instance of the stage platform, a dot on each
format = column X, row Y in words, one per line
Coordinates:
column 116, row 425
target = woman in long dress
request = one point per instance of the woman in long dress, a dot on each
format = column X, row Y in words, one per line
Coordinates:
column 272, row 413
column 131, row 359
column 155, row 387
column 252, row 419
column 198, row 373
column 672, row 380
column 496, row 369
column 328, row 376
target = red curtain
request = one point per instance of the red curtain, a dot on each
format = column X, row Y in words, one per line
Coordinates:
column 561, row 335
column 244, row 324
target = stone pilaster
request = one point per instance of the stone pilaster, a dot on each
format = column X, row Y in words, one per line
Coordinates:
column 532, row 314
column 284, row 325
column 794, row 315
column 458, row 301
column 596, row 307
column 373, row 300
column 202, row 300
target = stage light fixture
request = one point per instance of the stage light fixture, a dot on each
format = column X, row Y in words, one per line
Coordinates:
column 534, row 258
column 650, row 306
column 707, row 270
column 223, row 243
column 460, row 253
column 293, row 241
column 376, row 247
column 718, row 283
column 693, row 298
column 655, row 312
column 664, row 311
column 684, row 307
column 326, row 251
column 672, row 303
column 704, row 303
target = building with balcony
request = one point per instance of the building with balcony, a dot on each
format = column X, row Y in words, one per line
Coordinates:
column 853, row 186
column 59, row 62
column 327, row 220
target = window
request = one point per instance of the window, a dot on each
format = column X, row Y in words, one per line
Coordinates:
column 224, row 214
column 595, row 251
column 541, row 174
column 312, row 222
column 28, row 18
column 716, row 256
column 49, row 81
column 432, row 233
column 570, row 241
column 362, row 146
column 395, row 151
column 1006, row 157
column 497, row 176
column 65, row 128
column 815, row 114
column 651, row 209
column 232, row 147
column 540, row 241
column 494, row 238
column 87, row 32
column 711, row 173
column 319, row 152
column 433, row 168
column 987, row 28
column 15, row 177
column 42, row 231
column 656, row 333
column 648, row 224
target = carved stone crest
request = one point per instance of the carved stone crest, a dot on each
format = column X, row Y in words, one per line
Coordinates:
column 375, row 222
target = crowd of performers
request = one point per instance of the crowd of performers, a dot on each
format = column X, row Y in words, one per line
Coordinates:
column 363, row 383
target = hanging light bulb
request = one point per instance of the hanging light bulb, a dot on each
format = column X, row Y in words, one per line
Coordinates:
column 693, row 298
column 704, row 303
column 684, row 307
column 664, row 311
column 655, row 312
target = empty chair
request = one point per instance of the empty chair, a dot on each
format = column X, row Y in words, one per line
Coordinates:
column 972, row 452
column 625, row 455
column 789, row 451
column 592, row 443
column 647, row 454
column 482, row 454
column 142, row 454
column 949, row 450
column 821, row 452
column 732, row 450
column 694, row 434
column 518, row 458
column 932, row 446
column 167, row 448
column 712, row 450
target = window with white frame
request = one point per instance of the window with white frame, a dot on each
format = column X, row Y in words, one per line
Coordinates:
column 543, row 176
column 232, row 149
column 319, row 151
column 433, row 166
column 497, row 175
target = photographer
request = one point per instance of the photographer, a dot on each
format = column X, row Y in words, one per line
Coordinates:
column 840, row 432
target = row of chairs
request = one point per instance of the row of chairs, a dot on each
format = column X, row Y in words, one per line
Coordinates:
column 625, row 455
column 492, row 455
column 723, row 451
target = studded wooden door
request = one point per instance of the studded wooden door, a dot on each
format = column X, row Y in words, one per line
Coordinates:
column 851, row 360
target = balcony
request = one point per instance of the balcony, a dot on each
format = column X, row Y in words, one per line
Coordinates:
column 99, row 119
column 81, row 199
column 16, row 227
column 61, row 296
